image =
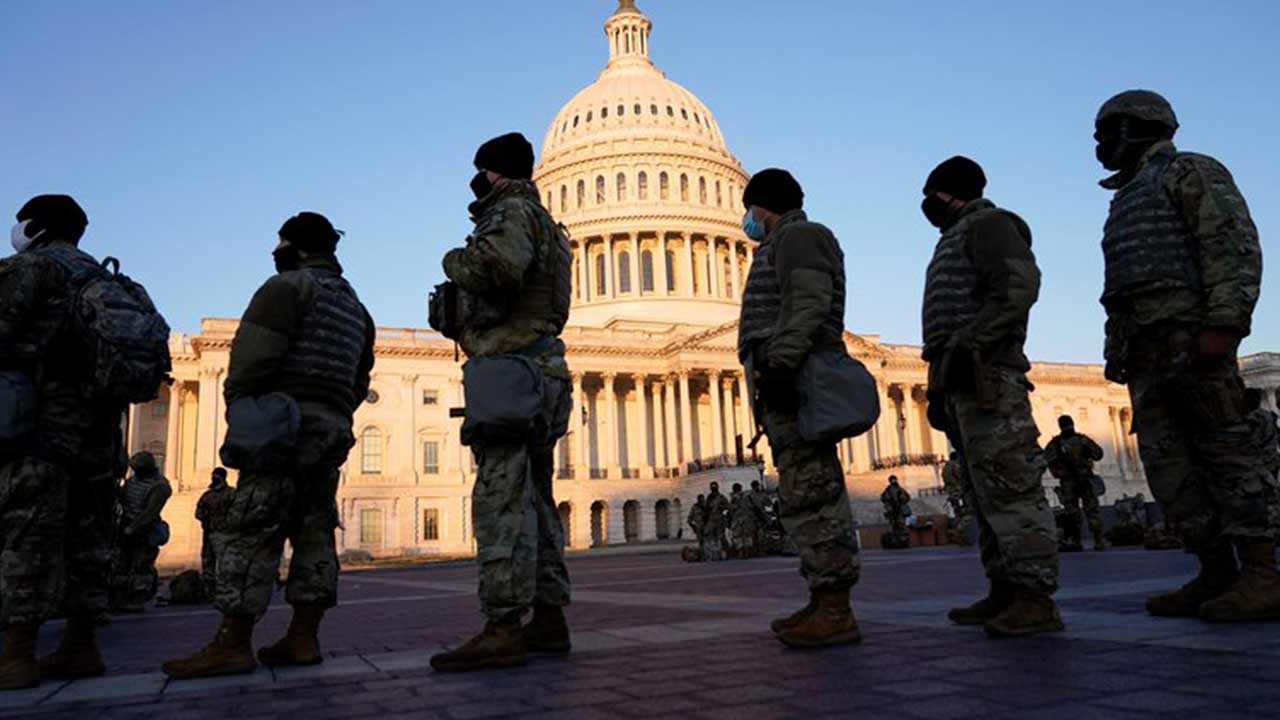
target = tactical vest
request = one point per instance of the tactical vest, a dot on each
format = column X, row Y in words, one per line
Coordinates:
column 762, row 296
column 951, row 283
column 546, row 292
column 1146, row 242
column 136, row 492
column 329, row 343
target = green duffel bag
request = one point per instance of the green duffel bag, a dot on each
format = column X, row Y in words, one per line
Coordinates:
column 504, row 396
column 838, row 397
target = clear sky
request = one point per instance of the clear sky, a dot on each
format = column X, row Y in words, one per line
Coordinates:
column 191, row 130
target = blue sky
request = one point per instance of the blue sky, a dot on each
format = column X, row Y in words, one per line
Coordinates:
column 191, row 130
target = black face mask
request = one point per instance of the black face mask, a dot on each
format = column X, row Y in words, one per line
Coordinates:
column 287, row 258
column 935, row 210
column 480, row 184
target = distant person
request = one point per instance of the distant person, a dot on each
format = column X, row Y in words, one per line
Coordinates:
column 1070, row 457
column 514, row 277
column 792, row 308
column 715, row 522
column 304, row 348
column 979, row 289
column 959, row 497
column 897, row 506
column 1183, row 274
column 743, row 524
column 140, row 535
column 697, row 521
column 78, row 343
column 211, row 512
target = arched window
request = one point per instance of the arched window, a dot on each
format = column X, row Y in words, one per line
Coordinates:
column 624, row 272
column 664, row 186
column 646, row 271
column 671, row 112
column 719, row 197
column 699, row 267
column 683, row 113
column 642, row 186
column 684, row 188
column 564, row 199
column 589, row 115
column 582, row 193
column 622, row 110
column 637, row 109
column 604, row 112
column 575, row 121
column 600, row 198
column 702, row 190
column 727, row 272
column 600, row 275
column 621, row 182
column 371, row 451
column 653, row 109
column 671, row 271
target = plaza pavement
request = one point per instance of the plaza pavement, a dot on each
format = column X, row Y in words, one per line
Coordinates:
column 657, row 637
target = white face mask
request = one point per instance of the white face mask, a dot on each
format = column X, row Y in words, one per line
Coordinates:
column 18, row 236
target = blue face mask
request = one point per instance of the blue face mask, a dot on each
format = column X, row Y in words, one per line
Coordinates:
column 753, row 227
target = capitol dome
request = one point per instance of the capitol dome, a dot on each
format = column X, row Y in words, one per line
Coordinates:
column 636, row 168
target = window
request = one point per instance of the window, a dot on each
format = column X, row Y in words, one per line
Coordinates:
column 622, row 110
column 600, row 274
column 664, row 186
column 372, row 397
column 671, row 111
column 702, row 190
column 624, row 272
column 371, row 527
column 600, row 198
column 719, row 197
column 582, row 193
column 431, row 524
column 575, row 121
column 727, row 274
column 566, row 127
column 642, row 186
column 671, row 271
column 646, row 271
column 159, row 409
column 683, row 113
column 695, row 119
column 564, row 199
column 604, row 113
column 653, row 109
column 431, row 457
column 371, row 451
column 684, row 188
column 698, row 269
column 621, row 182
column 637, row 108
column 430, row 397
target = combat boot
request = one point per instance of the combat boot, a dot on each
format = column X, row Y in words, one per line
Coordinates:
column 998, row 598
column 1099, row 539
column 230, row 653
column 500, row 644
column 301, row 642
column 1255, row 595
column 18, row 667
column 547, row 631
column 78, row 655
column 786, row 623
column 830, row 623
column 1217, row 573
column 1030, row 613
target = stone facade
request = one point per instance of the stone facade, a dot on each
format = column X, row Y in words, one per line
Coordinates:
column 636, row 168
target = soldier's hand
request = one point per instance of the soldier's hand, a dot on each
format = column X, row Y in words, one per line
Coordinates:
column 1215, row 342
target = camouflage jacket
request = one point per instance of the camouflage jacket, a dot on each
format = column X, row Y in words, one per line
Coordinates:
column 211, row 510
column 34, row 302
column 895, row 497
column 513, row 233
column 1072, row 455
column 1228, row 252
column 717, row 514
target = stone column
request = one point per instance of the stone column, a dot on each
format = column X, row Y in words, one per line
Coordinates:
column 173, row 436
column 744, row 410
column 635, row 265
column 660, row 267
column 672, row 457
column 585, row 270
column 610, row 444
column 886, row 427
column 582, row 272
column 688, row 264
column 413, row 452
column 911, row 407
column 686, row 418
column 581, row 463
column 713, row 287
column 646, row 437
column 610, row 271
column 717, row 422
column 1117, row 439
column 733, row 270
column 730, row 425
column 206, row 423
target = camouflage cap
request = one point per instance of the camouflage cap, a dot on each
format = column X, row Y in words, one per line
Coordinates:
column 1140, row 104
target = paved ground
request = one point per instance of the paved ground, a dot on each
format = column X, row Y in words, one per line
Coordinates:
column 658, row 637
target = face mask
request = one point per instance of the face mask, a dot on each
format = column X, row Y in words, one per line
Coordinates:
column 287, row 258
column 935, row 210
column 480, row 184
column 18, row 236
column 753, row 227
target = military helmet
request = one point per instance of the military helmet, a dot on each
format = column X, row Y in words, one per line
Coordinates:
column 1141, row 104
column 143, row 462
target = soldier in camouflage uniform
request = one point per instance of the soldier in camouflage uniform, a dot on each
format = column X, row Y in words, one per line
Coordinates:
column 57, row 484
column 1070, row 457
column 897, row 508
column 1183, row 274
column 959, row 497
column 697, row 520
column 793, row 305
column 715, row 520
column 142, row 500
column 211, row 512
column 979, row 289
column 305, row 334
column 743, row 524
column 517, row 259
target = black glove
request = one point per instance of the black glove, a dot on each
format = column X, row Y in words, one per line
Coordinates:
column 776, row 386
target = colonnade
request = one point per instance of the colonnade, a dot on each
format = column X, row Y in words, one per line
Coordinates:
column 665, row 264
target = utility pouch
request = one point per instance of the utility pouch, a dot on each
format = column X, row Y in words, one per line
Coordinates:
column 1097, row 485
column 17, row 407
column 837, row 397
column 262, row 433
column 442, row 310
column 505, row 398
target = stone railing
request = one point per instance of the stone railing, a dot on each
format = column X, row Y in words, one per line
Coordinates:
column 907, row 461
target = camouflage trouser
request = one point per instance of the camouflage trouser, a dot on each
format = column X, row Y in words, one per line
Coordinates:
column 744, row 538
column 713, row 544
column 998, row 439
column 271, row 507
column 1203, row 457
column 209, row 564
column 815, row 509
column 134, row 579
column 519, row 539
column 1078, row 491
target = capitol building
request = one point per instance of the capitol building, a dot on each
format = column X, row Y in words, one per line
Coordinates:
column 638, row 170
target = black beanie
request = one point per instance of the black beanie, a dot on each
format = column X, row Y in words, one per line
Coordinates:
column 958, row 176
column 508, row 155
column 60, row 215
column 774, row 190
column 311, row 232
